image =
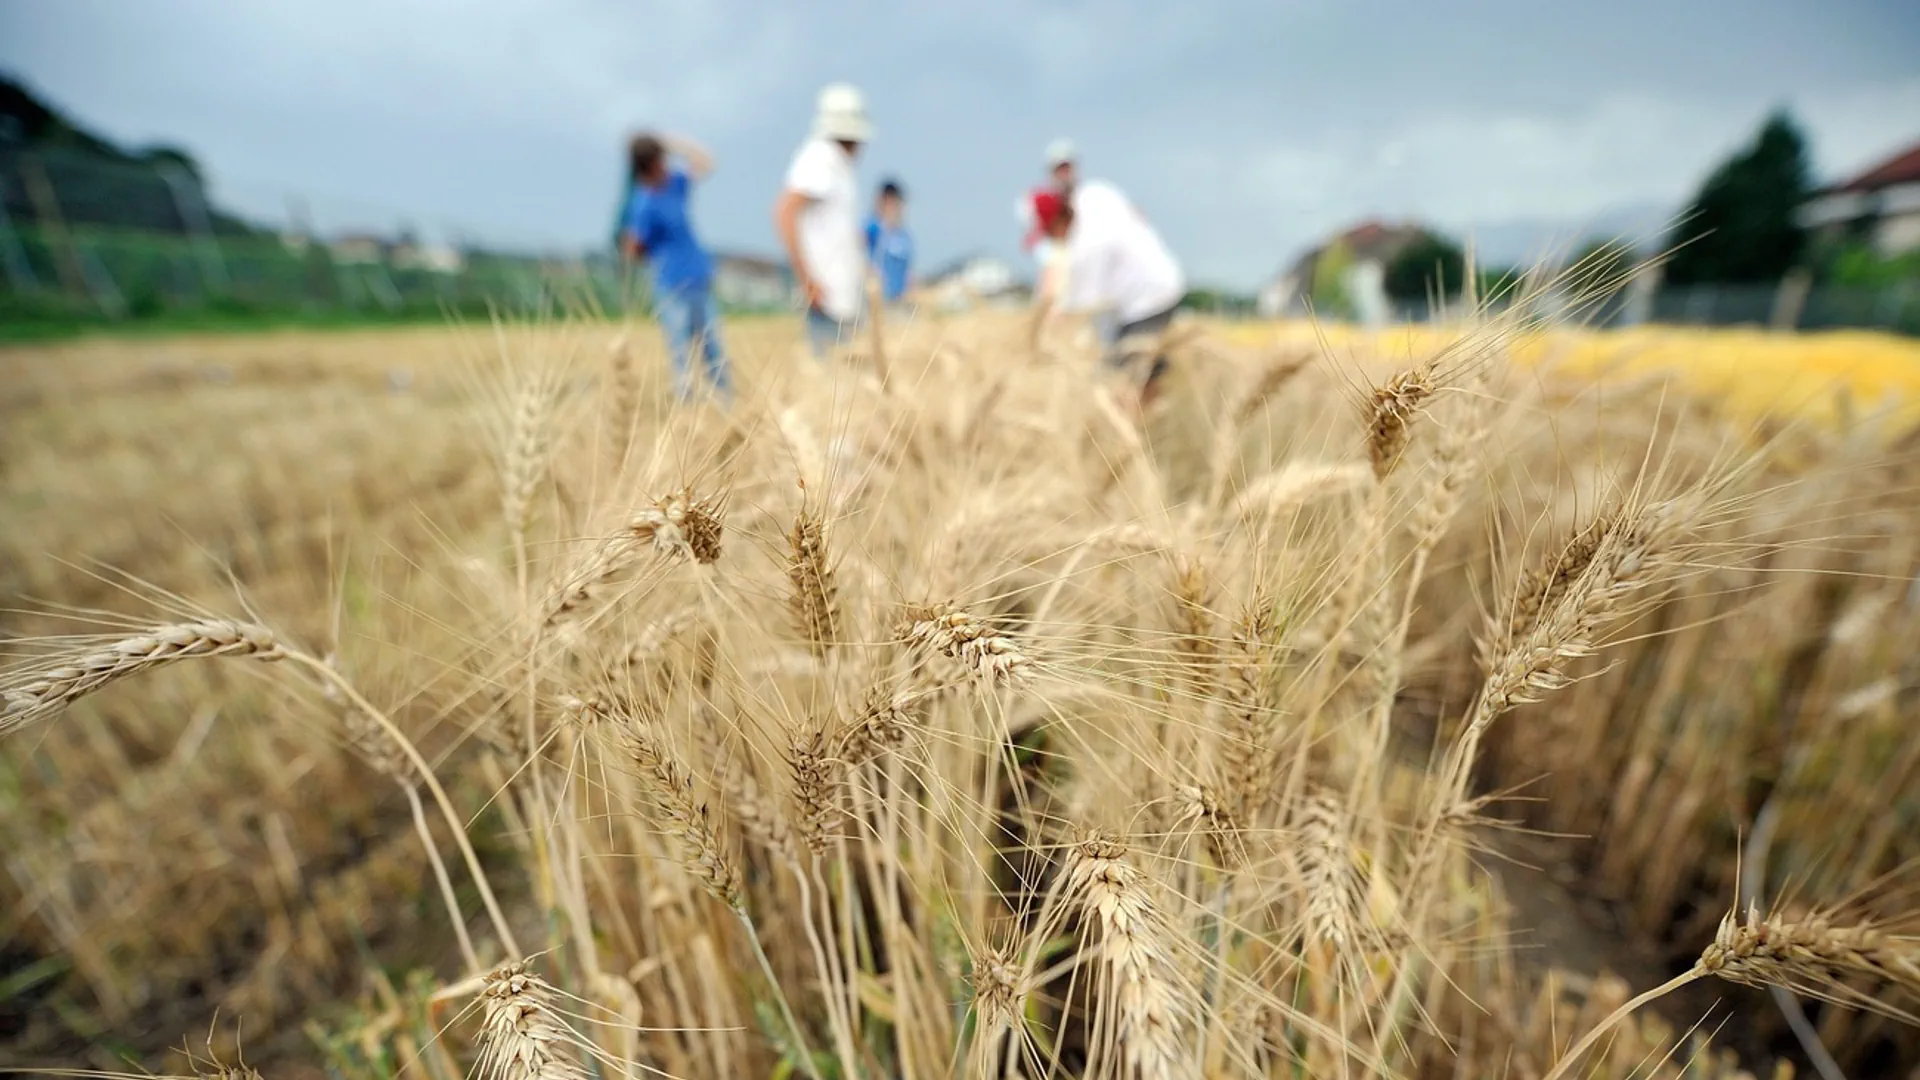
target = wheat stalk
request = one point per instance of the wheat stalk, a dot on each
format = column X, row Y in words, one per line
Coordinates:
column 371, row 741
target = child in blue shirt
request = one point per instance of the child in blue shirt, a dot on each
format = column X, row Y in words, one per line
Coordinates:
column 656, row 228
column 889, row 247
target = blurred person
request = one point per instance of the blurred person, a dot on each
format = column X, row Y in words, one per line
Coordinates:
column 656, row 229
column 1062, row 169
column 889, row 245
column 1108, row 261
column 818, row 221
column 1063, row 163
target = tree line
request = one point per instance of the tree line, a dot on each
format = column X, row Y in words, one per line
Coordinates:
column 1740, row 228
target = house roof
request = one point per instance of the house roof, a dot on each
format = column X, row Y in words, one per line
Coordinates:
column 1379, row 240
column 1371, row 239
column 960, row 265
column 1901, row 168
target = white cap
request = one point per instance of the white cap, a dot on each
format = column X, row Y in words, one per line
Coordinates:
column 841, row 115
column 1059, row 152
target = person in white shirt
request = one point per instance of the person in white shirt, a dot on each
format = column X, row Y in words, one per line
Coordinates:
column 818, row 218
column 1108, row 261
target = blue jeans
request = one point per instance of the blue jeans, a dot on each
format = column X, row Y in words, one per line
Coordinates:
column 687, row 314
column 824, row 332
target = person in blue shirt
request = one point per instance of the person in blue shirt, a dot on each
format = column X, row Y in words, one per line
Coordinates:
column 889, row 247
column 657, row 229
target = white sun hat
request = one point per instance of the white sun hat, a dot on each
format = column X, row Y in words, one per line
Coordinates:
column 1060, row 152
column 841, row 115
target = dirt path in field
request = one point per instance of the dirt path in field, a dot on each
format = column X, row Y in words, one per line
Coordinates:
column 1559, row 922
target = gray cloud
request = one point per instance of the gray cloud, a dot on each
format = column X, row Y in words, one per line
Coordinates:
column 1246, row 130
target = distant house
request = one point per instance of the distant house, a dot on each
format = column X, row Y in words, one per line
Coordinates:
column 357, row 248
column 974, row 280
column 1880, row 206
column 434, row 258
column 1371, row 244
column 750, row 281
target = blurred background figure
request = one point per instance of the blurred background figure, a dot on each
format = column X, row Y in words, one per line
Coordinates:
column 657, row 229
column 1062, row 167
column 889, row 245
column 1111, row 263
column 1062, row 163
column 817, row 218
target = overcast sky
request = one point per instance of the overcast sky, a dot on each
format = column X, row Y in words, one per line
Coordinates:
column 1246, row 130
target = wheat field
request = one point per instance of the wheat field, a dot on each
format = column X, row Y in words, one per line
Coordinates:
column 447, row 703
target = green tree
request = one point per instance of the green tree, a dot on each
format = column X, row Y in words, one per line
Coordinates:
column 1432, row 266
column 1740, row 228
column 1603, row 263
column 1499, row 282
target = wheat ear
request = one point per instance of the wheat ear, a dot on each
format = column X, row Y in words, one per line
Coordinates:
column 672, row 795
column 1193, row 596
column 815, row 594
column 1294, row 485
column 525, row 460
column 1000, row 993
column 682, row 524
column 1144, row 1016
column 675, row 526
column 1202, row 808
column 1816, row 958
column 1630, row 552
column 978, row 646
column 1327, row 871
column 1391, row 410
column 46, row 691
column 1247, row 753
column 1274, row 375
column 522, row 1037
column 623, row 392
column 816, row 784
column 1811, row 956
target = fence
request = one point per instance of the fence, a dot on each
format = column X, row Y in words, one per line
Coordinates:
column 102, row 240
column 1894, row 308
column 1790, row 305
